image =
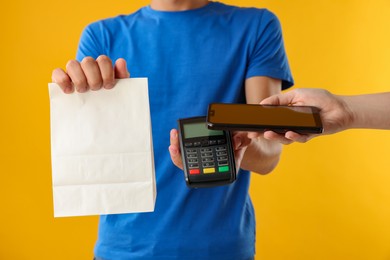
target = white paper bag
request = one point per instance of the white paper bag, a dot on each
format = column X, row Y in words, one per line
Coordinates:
column 102, row 151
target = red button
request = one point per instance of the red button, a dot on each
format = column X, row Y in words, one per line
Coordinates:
column 194, row 171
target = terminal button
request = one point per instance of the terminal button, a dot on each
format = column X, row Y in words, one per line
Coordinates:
column 208, row 170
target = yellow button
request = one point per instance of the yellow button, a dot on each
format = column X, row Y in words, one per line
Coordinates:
column 208, row 170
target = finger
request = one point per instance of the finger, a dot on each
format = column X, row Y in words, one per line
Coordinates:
column 298, row 137
column 76, row 74
column 254, row 135
column 107, row 71
column 279, row 99
column 240, row 140
column 238, row 156
column 60, row 77
column 121, row 71
column 270, row 135
column 237, row 142
column 92, row 73
column 174, row 149
column 240, row 144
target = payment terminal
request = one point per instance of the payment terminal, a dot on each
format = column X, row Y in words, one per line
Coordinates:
column 208, row 157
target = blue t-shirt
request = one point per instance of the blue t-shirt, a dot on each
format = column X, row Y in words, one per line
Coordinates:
column 191, row 58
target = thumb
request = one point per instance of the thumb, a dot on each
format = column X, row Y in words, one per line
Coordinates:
column 272, row 100
column 279, row 99
column 121, row 71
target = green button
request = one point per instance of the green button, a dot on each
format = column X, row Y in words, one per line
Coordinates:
column 223, row 168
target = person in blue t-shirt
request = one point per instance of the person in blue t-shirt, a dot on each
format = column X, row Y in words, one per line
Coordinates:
column 193, row 52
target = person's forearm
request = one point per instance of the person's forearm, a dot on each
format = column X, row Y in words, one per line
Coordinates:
column 261, row 156
column 369, row 111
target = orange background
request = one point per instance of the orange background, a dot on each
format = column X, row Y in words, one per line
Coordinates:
column 328, row 199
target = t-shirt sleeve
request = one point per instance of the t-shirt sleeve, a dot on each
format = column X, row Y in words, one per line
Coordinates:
column 89, row 44
column 268, row 57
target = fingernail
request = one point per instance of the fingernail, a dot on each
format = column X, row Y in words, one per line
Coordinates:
column 173, row 150
column 173, row 134
column 82, row 90
column 108, row 85
column 68, row 90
